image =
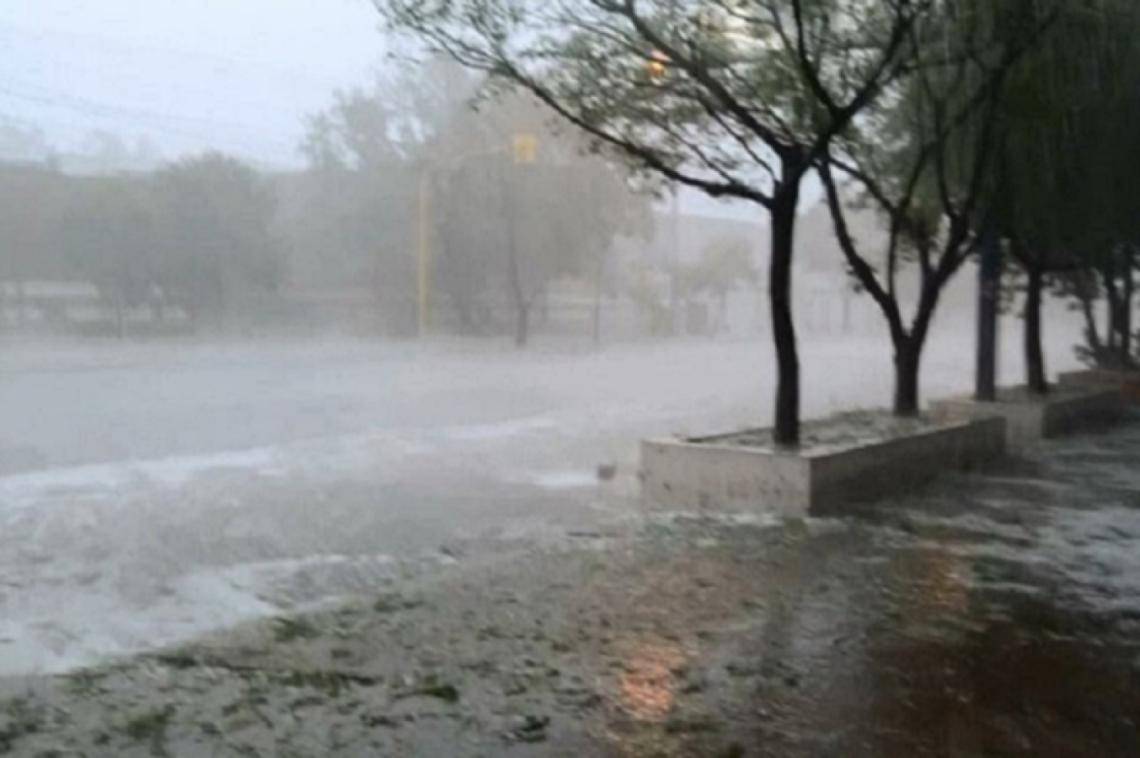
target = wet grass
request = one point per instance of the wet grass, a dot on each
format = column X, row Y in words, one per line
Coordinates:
column 290, row 629
column 22, row 720
column 394, row 602
column 85, row 682
column 150, row 726
column 432, row 686
column 177, row 659
column 331, row 683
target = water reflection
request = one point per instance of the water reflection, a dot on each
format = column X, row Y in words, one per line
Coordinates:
column 648, row 684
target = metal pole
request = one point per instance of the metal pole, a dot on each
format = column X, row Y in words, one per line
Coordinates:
column 989, row 292
column 423, row 256
column 674, row 258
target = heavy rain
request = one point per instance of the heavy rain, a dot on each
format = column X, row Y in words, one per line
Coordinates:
column 503, row 377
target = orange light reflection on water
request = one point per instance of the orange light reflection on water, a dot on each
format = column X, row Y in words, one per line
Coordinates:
column 648, row 684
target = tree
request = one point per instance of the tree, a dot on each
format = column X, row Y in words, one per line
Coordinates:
column 213, row 217
column 108, row 231
column 500, row 229
column 25, row 145
column 1068, row 116
column 1106, row 273
column 558, row 213
column 32, row 202
column 735, row 99
column 924, row 159
column 370, row 154
column 724, row 265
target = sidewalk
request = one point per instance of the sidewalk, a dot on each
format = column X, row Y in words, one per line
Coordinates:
column 994, row 614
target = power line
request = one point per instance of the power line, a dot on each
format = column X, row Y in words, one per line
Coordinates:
column 101, row 108
column 185, row 126
column 291, row 73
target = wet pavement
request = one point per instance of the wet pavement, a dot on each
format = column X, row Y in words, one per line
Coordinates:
column 994, row 613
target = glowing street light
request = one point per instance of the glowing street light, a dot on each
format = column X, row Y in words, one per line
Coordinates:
column 525, row 148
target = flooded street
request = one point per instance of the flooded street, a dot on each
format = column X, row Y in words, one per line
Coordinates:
column 995, row 613
column 154, row 492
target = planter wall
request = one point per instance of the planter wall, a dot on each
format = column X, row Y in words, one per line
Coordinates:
column 704, row 474
column 1030, row 418
column 1127, row 381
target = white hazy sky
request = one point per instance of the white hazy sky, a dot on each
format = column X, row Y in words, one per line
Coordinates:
column 239, row 75
column 189, row 75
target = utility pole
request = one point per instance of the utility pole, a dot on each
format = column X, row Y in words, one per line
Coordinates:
column 423, row 255
column 989, row 292
column 674, row 260
column 525, row 152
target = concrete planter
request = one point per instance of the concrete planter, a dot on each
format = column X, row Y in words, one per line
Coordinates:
column 1031, row 418
column 1127, row 381
column 719, row 474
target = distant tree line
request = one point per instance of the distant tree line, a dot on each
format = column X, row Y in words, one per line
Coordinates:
column 411, row 198
column 193, row 237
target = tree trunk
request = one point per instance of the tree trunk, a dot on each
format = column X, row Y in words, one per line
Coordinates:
column 783, row 212
column 1112, row 310
column 21, row 303
column 1092, row 333
column 908, row 353
column 522, row 321
column 117, row 320
column 597, row 325
column 1034, row 353
column 1126, row 308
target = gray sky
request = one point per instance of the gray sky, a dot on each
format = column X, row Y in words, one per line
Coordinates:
column 189, row 75
column 238, row 75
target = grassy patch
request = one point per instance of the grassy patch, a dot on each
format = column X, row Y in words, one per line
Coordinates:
column 307, row 701
column 695, row 725
column 531, row 729
column 380, row 719
column 177, row 659
column 19, row 719
column 150, row 726
column 393, row 602
column 84, row 682
column 332, row 683
column 290, row 629
column 445, row 692
column 433, row 687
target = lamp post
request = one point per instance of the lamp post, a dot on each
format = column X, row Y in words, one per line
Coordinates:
column 657, row 67
column 674, row 262
column 423, row 255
